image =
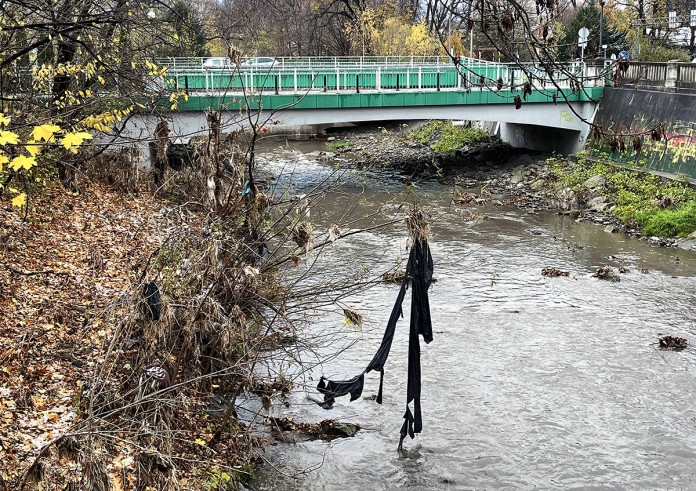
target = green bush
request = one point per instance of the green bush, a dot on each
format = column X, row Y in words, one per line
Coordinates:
column 446, row 137
column 665, row 209
column 680, row 221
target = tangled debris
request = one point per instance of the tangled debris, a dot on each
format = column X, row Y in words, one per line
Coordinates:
column 673, row 343
column 606, row 273
column 394, row 276
column 303, row 235
column 353, row 317
column 553, row 272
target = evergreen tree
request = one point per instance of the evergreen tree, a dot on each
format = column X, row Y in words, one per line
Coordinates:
column 589, row 16
column 188, row 26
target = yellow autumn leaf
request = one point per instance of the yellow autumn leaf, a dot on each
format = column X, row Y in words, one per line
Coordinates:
column 176, row 36
column 3, row 160
column 101, row 79
column 22, row 162
column 8, row 137
column 174, row 106
column 45, row 132
column 33, row 149
column 3, row 120
column 73, row 140
column 200, row 441
column 20, row 200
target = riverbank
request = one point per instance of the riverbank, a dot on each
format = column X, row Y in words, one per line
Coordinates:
column 622, row 200
column 130, row 324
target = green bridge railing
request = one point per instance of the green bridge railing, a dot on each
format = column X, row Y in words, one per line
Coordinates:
column 354, row 78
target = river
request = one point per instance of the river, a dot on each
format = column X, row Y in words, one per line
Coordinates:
column 530, row 382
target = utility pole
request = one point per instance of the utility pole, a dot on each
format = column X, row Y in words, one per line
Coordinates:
column 601, row 28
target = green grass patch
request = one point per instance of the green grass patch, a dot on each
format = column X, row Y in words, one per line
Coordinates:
column 661, row 208
column 679, row 221
column 335, row 145
column 446, row 137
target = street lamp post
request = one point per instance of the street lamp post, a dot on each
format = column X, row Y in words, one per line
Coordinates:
column 601, row 28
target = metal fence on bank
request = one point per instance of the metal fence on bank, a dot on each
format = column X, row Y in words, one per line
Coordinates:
column 667, row 76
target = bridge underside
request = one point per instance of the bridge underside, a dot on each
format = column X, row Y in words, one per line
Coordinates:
column 549, row 127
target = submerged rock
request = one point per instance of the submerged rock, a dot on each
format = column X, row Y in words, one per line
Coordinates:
column 329, row 429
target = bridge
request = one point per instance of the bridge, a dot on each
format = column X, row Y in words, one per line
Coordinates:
column 326, row 91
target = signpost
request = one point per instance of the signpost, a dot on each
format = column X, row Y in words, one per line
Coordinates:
column 583, row 34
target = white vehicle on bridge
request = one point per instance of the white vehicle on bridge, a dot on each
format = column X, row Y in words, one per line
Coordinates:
column 261, row 62
column 217, row 62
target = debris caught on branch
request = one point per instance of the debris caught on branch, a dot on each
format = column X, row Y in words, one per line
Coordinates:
column 507, row 22
column 673, row 343
column 419, row 273
column 614, row 144
column 353, row 317
column 499, row 85
column 597, row 133
column 160, row 161
column 637, row 144
column 153, row 300
column 518, row 102
column 303, row 235
column 334, row 232
column 554, row 97
column 526, row 90
column 658, row 134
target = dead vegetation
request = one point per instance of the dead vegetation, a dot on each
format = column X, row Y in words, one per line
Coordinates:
column 553, row 272
column 131, row 315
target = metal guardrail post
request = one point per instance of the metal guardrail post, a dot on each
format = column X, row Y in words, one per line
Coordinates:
column 438, row 80
column 275, row 78
column 294, row 75
column 397, row 81
column 408, row 78
column 186, row 84
column 378, row 79
column 324, row 83
column 357, row 83
column 338, row 81
column 420, row 78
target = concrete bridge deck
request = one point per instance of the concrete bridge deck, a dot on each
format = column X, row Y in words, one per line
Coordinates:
column 552, row 117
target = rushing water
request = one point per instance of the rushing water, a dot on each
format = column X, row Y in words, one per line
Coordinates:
column 530, row 382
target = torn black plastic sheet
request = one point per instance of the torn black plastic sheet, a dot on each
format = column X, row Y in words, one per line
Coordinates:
column 419, row 273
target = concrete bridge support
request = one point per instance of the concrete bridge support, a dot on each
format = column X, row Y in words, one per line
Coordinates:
column 542, row 138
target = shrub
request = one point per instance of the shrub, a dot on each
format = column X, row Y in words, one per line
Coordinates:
column 446, row 137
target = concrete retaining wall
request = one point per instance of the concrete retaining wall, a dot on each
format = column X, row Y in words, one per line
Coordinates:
column 634, row 114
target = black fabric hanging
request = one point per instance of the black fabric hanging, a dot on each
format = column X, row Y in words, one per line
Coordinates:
column 419, row 273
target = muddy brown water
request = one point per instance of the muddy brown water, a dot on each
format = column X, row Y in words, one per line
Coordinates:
column 530, row 382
